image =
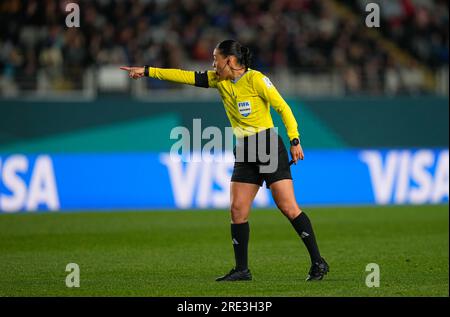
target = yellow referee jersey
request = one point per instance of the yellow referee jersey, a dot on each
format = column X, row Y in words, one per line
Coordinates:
column 247, row 100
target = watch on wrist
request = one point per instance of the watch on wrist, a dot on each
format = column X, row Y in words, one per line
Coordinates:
column 295, row 142
column 146, row 70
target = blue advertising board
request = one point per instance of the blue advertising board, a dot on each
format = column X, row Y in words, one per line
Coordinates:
column 67, row 182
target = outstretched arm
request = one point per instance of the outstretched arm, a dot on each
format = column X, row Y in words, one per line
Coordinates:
column 199, row 79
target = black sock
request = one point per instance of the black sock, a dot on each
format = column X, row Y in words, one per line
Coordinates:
column 240, row 235
column 304, row 229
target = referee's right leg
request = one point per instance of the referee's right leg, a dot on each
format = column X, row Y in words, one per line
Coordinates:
column 242, row 196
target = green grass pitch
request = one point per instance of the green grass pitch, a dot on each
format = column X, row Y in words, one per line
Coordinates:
column 179, row 253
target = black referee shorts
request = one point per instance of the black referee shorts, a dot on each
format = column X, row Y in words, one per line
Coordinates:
column 261, row 157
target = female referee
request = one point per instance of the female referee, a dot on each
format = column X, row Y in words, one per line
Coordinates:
column 247, row 95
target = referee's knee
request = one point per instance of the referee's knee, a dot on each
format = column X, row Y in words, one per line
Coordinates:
column 238, row 214
column 291, row 211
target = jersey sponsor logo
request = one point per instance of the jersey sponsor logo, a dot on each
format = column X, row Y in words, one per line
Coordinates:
column 244, row 108
column 267, row 82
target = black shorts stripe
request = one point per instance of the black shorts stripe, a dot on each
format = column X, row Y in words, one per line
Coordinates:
column 201, row 79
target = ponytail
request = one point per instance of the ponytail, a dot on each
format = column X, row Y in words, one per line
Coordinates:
column 246, row 56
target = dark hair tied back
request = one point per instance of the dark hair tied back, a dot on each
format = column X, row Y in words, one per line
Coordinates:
column 234, row 48
column 246, row 56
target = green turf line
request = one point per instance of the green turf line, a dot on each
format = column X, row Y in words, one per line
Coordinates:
column 180, row 253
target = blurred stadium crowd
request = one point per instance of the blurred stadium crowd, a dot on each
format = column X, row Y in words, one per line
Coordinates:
column 297, row 36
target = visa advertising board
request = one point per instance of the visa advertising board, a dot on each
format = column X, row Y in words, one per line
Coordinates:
column 88, row 182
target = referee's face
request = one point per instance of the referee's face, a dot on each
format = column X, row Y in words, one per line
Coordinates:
column 220, row 64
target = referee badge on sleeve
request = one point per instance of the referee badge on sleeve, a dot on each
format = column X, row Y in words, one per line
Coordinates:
column 267, row 82
column 244, row 108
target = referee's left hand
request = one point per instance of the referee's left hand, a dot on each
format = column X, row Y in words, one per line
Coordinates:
column 134, row 72
column 297, row 153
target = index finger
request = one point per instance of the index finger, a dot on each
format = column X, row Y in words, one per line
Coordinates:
column 125, row 68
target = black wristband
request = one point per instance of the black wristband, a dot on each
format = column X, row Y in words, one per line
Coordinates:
column 146, row 71
column 295, row 142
